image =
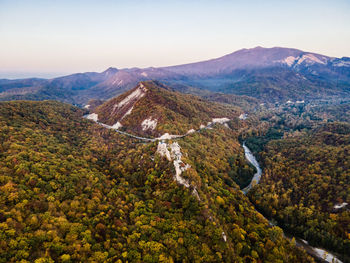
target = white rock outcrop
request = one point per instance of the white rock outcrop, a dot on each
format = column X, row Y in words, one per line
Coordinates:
column 149, row 124
column 92, row 116
column 117, row 125
column 220, row 120
column 175, row 155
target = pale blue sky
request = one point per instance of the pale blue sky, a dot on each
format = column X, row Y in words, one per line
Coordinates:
column 49, row 38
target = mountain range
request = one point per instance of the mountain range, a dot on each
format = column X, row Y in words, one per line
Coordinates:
column 267, row 74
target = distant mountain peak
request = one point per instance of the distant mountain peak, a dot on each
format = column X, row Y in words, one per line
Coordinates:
column 110, row 71
column 249, row 72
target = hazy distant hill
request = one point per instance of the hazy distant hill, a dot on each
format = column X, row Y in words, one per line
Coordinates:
column 269, row 74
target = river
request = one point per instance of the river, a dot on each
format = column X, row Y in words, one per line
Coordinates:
column 256, row 178
column 318, row 253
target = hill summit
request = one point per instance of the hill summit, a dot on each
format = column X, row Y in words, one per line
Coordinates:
column 153, row 109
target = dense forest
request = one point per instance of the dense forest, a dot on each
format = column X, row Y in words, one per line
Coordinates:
column 73, row 191
column 305, row 186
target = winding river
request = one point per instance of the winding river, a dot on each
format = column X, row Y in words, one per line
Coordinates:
column 256, row 178
column 318, row 253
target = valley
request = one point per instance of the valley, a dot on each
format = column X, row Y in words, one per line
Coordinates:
column 163, row 150
column 159, row 175
column 85, row 193
column 320, row 254
column 311, row 142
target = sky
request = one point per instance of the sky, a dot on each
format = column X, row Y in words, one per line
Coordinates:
column 56, row 37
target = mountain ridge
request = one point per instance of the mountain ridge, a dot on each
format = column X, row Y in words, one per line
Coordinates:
column 218, row 74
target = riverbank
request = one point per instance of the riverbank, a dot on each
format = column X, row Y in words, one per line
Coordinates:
column 320, row 254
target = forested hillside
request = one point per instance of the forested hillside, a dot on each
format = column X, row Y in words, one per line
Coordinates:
column 153, row 109
column 73, row 191
column 305, row 186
